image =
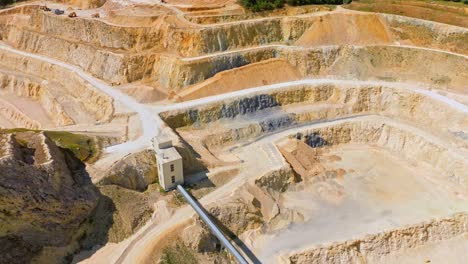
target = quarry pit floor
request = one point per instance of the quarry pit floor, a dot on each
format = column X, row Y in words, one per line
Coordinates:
column 378, row 191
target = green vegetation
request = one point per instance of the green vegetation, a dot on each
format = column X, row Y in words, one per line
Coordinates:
column 16, row 130
column 316, row 2
column 464, row 1
column 177, row 199
column 178, row 254
column 7, row 2
column 262, row 5
column 85, row 148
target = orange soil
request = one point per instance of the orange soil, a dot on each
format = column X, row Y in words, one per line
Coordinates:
column 418, row 9
column 308, row 162
column 252, row 75
column 302, row 158
column 341, row 29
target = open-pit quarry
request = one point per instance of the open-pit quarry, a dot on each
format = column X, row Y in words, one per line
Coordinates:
column 310, row 134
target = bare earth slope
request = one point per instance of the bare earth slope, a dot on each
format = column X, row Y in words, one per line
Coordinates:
column 46, row 199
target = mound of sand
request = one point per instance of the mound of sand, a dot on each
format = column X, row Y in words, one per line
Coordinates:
column 341, row 29
column 252, row 75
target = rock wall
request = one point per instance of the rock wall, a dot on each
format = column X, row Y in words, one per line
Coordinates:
column 392, row 63
column 87, row 4
column 105, row 44
column 113, row 66
column 43, row 185
column 411, row 144
column 16, row 116
column 92, row 44
column 177, row 73
column 134, row 172
column 26, row 87
column 289, row 29
column 199, row 41
column 376, row 62
column 95, row 32
column 427, row 34
column 278, row 180
column 96, row 103
column 369, row 248
column 336, row 100
column 211, row 113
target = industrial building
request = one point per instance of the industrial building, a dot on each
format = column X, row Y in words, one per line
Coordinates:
column 170, row 170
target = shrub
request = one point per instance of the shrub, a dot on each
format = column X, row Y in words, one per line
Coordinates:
column 261, row 5
column 6, row 2
column 85, row 148
column 317, row 2
column 178, row 253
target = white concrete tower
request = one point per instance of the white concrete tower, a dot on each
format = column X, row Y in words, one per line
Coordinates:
column 170, row 170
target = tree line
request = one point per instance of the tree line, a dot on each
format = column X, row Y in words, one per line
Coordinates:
column 261, row 5
column 7, row 2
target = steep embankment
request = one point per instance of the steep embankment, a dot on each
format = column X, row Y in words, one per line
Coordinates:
column 36, row 89
column 46, row 200
column 78, row 94
column 377, row 62
column 340, row 29
column 252, row 75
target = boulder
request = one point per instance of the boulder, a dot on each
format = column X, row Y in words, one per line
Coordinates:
column 135, row 171
column 198, row 238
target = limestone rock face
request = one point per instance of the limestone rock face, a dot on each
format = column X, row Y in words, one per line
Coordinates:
column 371, row 247
column 87, row 4
column 94, row 102
column 199, row 238
column 129, row 211
column 134, row 172
column 277, row 180
column 36, row 89
column 237, row 215
column 45, row 197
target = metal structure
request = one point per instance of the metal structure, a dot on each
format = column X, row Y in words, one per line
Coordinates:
column 216, row 231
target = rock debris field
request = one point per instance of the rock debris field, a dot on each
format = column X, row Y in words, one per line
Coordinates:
column 312, row 134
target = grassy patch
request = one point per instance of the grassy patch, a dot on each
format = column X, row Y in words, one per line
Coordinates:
column 85, row 148
column 16, row 130
column 178, row 254
column 263, row 5
column 129, row 211
column 177, row 199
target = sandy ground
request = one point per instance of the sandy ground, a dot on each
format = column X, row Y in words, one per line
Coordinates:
column 6, row 123
column 31, row 108
column 251, row 75
column 333, row 29
column 380, row 191
column 449, row 251
column 439, row 11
